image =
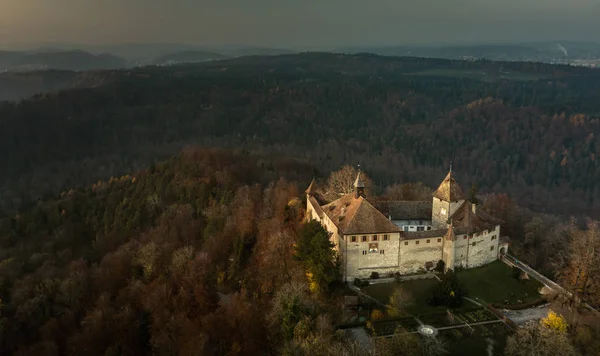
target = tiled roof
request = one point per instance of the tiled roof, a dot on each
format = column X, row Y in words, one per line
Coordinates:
column 465, row 219
column 312, row 188
column 450, row 236
column 358, row 183
column 411, row 235
column 449, row 190
column 317, row 207
column 407, row 210
column 354, row 215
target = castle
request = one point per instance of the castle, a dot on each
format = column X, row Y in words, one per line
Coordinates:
column 407, row 236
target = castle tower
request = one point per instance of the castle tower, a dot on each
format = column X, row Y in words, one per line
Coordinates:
column 359, row 187
column 446, row 199
column 448, row 249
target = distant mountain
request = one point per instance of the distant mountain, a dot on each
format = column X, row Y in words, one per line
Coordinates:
column 550, row 52
column 21, row 85
column 60, row 60
column 188, row 57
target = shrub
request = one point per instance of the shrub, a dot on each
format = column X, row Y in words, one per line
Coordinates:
column 374, row 275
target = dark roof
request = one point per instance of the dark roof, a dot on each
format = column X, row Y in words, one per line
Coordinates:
column 358, row 183
column 407, row 210
column 465, row 219
column 354, row 215
column 317, row 207
column 449, row 190
column 411, row 235
column 504, row 239
column 312, row 188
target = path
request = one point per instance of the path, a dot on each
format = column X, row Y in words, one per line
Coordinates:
column 522, row 316
column 512, row 261
column 361, row 336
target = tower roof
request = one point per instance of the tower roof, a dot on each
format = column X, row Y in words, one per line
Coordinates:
column 358, row 183
column 449, row 190
column 312, row 188
column 450, row 234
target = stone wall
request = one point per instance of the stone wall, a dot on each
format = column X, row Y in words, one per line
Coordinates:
column 414, row 254
column 484, row 251
column 360, row 263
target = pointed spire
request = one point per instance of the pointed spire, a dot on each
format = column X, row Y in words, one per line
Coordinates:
column 312, row 188
column 450, row 234
column 449, row 190
column 359, row 185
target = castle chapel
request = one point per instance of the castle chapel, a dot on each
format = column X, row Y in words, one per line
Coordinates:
column 407, row 236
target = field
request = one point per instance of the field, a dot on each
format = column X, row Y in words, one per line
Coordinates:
column 493, row 283
column 479, row 74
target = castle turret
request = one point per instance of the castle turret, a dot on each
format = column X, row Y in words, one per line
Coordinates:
column 312, row 188
column 446, row 199
column 359, row 187
column 448, row 249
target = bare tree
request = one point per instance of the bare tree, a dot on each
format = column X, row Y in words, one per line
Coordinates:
column 341, row 182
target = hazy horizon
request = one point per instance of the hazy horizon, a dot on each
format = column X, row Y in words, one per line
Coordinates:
column 295, row 24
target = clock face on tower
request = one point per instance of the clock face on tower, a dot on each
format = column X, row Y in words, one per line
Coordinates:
column 443, row 211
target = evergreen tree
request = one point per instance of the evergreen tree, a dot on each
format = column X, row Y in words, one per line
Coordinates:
column 449, row 291
column 316, row 252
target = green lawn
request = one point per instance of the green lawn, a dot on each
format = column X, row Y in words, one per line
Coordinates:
column 493, row 283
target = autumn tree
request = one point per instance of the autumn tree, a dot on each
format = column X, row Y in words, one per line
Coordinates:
column 577, row 268
column 399, row 301
column 547, row 337
column 403, row 343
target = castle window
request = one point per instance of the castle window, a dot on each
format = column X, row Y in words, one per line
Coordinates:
column 417, row 242
column 381, row 252
column 405, row 243
column 428, row 241
column 374, row 237
column 428, row 227
column 353, row 238
column 439, row 240
column 405, row 228
column 364, row 252
column 493, row 237
column 474, row 243
column 420, row 228
column 491, row 248
column 465, row 237
column 364, row 239
column 385, row 237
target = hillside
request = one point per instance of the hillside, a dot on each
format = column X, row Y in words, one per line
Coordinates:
column 188, row 57
column 527, row 129
column 59, row 60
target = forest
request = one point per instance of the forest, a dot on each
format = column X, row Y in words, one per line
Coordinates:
column 532, row 138
column 208, row 253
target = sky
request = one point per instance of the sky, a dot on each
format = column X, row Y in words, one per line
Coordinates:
column 292, row 23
